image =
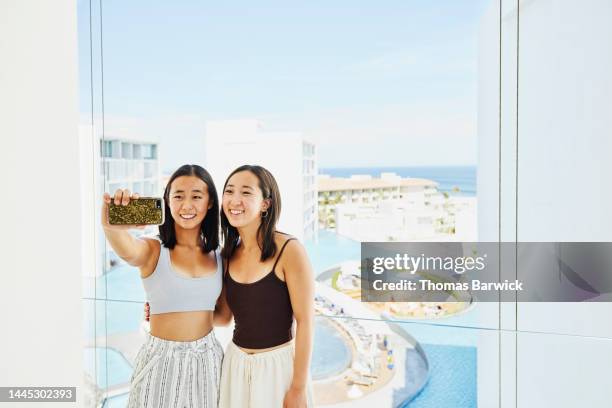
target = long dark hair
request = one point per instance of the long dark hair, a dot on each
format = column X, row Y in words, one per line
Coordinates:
column 209, row 228
column 265, row 232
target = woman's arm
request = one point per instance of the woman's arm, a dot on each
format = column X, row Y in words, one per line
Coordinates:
column 222, row 316
column 134, row 251
column 300, row 282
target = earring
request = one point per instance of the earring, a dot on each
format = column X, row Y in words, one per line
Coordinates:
column 264, row 214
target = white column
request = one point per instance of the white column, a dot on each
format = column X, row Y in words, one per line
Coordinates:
column 40, row 280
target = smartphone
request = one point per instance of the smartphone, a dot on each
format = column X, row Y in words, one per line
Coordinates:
column 142, row 211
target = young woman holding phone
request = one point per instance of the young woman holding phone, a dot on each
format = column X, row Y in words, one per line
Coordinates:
column 182, row 273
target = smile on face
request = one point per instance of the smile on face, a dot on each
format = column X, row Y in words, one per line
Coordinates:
column 243, row 201
column 188, row 201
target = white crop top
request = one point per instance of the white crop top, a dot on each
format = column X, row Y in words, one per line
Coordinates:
column 168, row 291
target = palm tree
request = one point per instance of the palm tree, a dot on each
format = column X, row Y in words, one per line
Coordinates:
column 327, row 207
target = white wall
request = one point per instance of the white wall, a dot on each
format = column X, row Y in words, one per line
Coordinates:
column 40, row 305
column 565, row 126
column 559, row 168
column 565, row 130
column 564, row 146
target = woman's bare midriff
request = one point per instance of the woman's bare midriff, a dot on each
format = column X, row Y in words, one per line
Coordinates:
column 181, row 326
column 255, row 351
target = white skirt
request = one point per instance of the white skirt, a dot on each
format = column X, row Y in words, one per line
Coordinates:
column 258, row 380
column 177, row 374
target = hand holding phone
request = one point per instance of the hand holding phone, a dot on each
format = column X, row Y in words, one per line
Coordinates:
column 126, row 210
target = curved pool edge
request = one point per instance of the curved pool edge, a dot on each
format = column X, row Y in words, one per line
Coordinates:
column 343, row 338
column 416, row 361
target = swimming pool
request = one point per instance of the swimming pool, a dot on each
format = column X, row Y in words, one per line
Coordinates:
column 452, row 378
column 330, row 250
column 331, row 352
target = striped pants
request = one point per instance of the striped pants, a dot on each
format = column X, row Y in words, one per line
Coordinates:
column 177, row 374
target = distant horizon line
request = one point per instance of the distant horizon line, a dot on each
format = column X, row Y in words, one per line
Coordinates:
column 397, row 166
column 169, row 172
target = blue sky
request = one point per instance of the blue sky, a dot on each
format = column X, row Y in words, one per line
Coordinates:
column 391, row 82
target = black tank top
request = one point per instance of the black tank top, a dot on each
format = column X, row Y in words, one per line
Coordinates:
column 262, row 310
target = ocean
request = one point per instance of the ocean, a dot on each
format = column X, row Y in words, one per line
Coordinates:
column 449, row 178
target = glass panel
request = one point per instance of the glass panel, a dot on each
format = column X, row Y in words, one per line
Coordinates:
column 124, row 282
column 395, row 116
column 94, row 352
column 441, row 106
column 124, row 336
column 92, row 147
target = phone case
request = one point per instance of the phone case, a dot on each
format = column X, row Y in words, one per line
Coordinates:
column 142, row 211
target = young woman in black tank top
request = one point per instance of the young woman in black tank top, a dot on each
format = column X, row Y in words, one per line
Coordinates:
column 268, row 283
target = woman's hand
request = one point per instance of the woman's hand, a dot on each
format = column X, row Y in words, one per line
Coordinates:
column 295, row 398
column 147, row 311
column 121, row 197
column 135, row 251
column 222, row 316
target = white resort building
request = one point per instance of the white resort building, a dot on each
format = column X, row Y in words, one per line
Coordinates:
column 131, row 164
column 363, row 189
column 119, row 162
column 232, row 143
column 389, row 208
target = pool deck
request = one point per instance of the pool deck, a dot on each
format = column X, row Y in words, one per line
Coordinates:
column 408, row 372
